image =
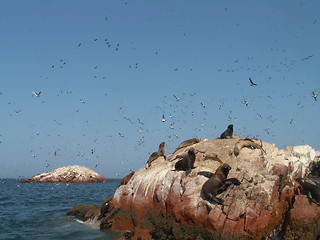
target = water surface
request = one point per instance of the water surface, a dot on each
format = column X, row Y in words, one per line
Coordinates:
column 38, row 210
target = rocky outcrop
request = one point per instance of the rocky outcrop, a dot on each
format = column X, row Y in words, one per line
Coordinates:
column 89, row 213
column 160, row 203
column 70, row 174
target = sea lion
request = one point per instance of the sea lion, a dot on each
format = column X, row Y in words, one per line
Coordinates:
column 188, row 142
column 217, row 183
column 105, row 207
column 127, row 178
column 246, row 143
column 211, row 156
column 311, row 190
column 187, row 162
column 227, row 133
column 157, row 154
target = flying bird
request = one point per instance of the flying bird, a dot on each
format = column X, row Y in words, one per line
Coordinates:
column 306, row 58
column 314, row 95
column 202, row 105
column 140, row 121
column 252, row 83
column 37, row 94
column 163, row 119
column 177, row 98
column 82, row 101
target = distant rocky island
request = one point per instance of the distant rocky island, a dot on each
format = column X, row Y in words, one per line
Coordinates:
column 159, row 202
column 69, row 174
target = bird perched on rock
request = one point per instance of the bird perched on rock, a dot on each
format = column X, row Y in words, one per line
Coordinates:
column 227, row 133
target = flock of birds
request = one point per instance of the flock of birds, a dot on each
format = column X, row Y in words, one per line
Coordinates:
column 141, row 140
column 174, row 116
column 140, row 129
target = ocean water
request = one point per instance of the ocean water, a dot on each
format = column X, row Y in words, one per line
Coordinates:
column 38, row 210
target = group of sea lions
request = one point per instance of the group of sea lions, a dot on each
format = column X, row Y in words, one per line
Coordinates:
column 218, row 182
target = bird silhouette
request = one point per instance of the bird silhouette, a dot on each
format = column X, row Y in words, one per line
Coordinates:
column 163, row 119
column 252, row 83
column 37, row 94
column 306, row 58
column 314, row 95
column 177, row 98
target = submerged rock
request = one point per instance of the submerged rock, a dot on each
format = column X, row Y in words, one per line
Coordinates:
column 160, row 203
column 70, row 174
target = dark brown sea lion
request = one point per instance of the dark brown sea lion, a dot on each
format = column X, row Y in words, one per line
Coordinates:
column 245, row 143
column 127, row 178
column 217, row 183
column 227, row 133
column 188, row 142
column 311, row 190
column 187, row 162
column 157, row 154
column 105, row 207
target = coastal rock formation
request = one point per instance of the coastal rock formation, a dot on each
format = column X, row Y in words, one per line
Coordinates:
column 70, row 174
column 159, row 203
column 90, row 213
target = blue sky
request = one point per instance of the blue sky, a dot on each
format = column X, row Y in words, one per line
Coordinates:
column 134, row 56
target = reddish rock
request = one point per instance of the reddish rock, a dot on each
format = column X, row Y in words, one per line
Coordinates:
column 303, row 213
column 142, row 234
column 84, row 212
column 123, row 223
column 160, row 203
